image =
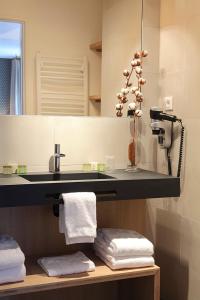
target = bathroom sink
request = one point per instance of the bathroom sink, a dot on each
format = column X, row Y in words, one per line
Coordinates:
column 65, row 176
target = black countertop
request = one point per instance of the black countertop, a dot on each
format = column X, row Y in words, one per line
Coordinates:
column 17, row 191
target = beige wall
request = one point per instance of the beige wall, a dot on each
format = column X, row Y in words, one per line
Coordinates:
column 174, row 224
column 121, row 38
column 151, row 42
column 58, row 28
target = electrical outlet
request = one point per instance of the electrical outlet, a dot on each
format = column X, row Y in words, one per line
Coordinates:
column 168, row 103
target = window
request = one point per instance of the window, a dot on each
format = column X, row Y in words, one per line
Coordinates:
column 11, row 62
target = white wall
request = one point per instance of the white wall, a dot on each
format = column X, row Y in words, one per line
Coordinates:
column 58, row 28
column 30, row 140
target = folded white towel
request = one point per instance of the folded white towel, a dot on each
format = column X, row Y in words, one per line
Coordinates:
column 134, row 262
column 78, row 217
column 102, row 247
column 13, row 274
column 114, row 260
column 105, row 247
column 66, row 264
column 122, row 242
column 10, row 253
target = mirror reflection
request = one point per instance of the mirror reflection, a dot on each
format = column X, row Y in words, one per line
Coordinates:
column 74, row 54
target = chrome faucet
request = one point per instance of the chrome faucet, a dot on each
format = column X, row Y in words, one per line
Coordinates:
column 54, row 164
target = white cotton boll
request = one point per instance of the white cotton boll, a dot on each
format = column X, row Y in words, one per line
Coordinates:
column 145, row 53
column 138, row 113
column 125, row 91
column 134, row 63
column 138, row 94
column 132, row 106
column 138, row 70
column 142, row 81
column 126, row 73
column 119, row 106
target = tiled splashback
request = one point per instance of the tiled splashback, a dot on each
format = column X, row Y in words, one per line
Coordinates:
column 30, row 140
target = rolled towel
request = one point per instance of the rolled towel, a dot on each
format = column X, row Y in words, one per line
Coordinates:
column 82, row 227
column 13, row 274
column 66, row 264
column 126, row 263
column 10, row 253
column 122, row 242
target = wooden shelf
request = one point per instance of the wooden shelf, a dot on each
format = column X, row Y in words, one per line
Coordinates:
column 96, row 46
column 95, row 98
column 37, row 280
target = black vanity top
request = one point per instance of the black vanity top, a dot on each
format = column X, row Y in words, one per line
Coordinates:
column 118, row 185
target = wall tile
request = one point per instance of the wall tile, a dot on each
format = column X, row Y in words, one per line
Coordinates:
column 26, row 140
column 30, row 140
column 91, row 139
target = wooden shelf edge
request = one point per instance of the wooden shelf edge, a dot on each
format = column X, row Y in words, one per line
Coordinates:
column 39, row 281
column 96, row 46
column 95, row 98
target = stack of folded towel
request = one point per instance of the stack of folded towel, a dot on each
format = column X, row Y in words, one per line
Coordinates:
column 120, row 248
column 66, row 264
column 12, row 268
column 77, row 217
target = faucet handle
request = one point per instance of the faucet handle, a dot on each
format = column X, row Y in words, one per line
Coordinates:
column 59, row 155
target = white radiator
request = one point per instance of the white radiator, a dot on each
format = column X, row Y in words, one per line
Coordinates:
column 62, row 86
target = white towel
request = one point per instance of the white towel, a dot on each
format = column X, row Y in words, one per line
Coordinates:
column 10, row 253
column 122, row 242
column 78, row 217
column 66, row 264
column 134, row 262
column 63, row 230
column 105, row 247
column 101, row 246
column 13, row 274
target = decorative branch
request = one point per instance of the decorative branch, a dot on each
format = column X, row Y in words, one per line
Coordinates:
column 135, row 107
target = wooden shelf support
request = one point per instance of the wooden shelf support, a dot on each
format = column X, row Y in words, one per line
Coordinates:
column 95, row 98
column 96, row 46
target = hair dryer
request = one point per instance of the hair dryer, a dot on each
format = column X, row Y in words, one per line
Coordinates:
column 157, row 117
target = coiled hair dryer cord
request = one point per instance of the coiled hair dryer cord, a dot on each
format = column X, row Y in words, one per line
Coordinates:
column 181, row 150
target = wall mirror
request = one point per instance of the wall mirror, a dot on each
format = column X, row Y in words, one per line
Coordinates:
column 74, row 53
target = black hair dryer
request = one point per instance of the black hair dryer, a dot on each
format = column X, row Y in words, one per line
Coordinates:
column 157, row 117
